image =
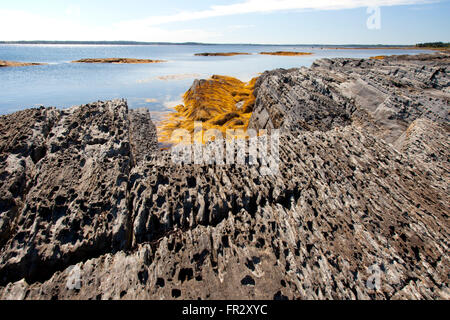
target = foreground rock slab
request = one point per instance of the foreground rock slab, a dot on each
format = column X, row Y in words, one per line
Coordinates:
column 75, row 202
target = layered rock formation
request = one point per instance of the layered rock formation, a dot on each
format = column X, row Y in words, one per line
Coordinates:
column 387, row 95
column 91, row 209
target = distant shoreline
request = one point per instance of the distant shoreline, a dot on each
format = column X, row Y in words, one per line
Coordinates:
column 137, row 43
column 390, row 48
column 132, row 43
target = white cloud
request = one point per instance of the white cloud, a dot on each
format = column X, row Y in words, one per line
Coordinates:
column 20, row 25
column 267, row 6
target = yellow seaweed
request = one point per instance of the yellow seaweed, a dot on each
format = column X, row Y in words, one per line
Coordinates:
column 220, row 103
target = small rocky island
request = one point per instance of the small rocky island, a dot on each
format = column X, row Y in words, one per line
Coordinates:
column 4, row 64
column 286, row 53
column 221, row 54
column 91, row 208
column 229, row 54
column 118, row 61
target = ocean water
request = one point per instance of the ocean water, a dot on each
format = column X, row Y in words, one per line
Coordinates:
column 156, row 86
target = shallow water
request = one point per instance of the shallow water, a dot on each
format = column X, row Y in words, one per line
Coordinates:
column 155, row 86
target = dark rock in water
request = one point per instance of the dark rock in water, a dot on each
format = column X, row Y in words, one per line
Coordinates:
column 359, row 208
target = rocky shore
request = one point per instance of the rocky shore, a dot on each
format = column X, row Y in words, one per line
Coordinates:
column 91, row 208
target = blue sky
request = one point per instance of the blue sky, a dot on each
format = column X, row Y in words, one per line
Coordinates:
column 232, row 21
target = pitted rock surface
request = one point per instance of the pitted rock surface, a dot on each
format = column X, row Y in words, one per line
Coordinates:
column 76, row 206
column 22, row 145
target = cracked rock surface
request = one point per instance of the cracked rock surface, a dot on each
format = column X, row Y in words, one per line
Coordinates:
column 358, row 209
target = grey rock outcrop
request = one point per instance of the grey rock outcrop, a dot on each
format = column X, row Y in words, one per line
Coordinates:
column 350, row 215
column 389, row 94
column 76, row 205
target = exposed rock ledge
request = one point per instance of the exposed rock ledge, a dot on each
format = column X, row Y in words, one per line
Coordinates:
column 88, row 187
column 118, row 61
column 4, row 64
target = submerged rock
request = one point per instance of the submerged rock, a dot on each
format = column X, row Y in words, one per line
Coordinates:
column 106, row 215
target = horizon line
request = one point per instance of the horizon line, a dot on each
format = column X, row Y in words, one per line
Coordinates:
column 128, row 42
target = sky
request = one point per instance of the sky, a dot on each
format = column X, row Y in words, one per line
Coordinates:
column 230, row 21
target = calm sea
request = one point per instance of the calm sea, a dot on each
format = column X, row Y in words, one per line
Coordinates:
column 155, row 86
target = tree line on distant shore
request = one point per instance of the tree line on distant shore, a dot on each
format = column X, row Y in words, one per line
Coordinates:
column 433, row 45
